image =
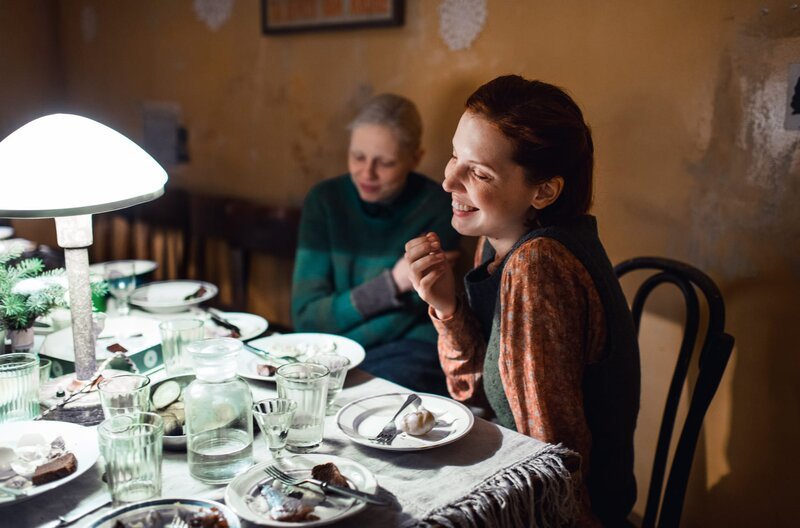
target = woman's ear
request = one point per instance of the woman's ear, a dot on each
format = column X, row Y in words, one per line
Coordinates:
column 547, row 192
column 417, row 158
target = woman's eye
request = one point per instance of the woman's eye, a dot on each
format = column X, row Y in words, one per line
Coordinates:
column 387, row 164
column 479, row 175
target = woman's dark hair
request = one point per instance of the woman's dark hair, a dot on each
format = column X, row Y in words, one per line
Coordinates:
column 549, row 136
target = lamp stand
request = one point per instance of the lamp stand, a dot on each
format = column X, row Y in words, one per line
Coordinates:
column 75, row 236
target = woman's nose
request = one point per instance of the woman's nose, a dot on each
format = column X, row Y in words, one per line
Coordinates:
column 451, row 180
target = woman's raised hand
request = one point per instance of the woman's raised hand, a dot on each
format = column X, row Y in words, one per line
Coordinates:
column 431, row 273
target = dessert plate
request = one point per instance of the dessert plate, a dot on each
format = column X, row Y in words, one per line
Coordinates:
column 250, row 325
column 299, row 345
column 172, row 296
column 242, row 492
column 134, row 514
column 79, row 440
column 140, row 267
column 363, row 419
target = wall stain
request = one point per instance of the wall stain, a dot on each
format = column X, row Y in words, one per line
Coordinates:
column 743, row 211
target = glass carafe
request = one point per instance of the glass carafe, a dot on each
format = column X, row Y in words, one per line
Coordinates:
column 219, row 416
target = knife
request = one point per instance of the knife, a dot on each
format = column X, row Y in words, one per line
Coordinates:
column 224, row 323
column 266, row 355
column 355, row 494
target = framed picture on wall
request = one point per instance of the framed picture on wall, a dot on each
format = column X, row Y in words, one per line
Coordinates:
column 291, row 16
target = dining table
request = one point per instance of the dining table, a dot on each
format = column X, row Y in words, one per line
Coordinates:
column 491, row 476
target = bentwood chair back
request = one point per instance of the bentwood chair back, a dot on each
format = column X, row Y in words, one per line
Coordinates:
column 664, row 510
column 247, row 228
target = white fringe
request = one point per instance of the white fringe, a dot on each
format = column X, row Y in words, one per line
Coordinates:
column 507, row 498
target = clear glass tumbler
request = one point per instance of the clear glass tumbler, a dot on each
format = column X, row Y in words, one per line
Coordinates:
column 19, row 387
column 307, row 384
column 123, row 394
column 338, row 366
column 176, row 335
column 45, row 366
column 274, row 417
column 132, row 450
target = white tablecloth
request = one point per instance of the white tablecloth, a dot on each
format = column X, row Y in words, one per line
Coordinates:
column 418, row 481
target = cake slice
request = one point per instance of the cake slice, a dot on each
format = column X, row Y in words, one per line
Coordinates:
column 57, row 468
column 329, row 473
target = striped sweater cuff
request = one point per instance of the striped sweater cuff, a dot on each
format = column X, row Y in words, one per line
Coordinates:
column 376, row 295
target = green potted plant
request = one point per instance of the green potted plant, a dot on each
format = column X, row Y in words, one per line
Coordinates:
column 27, row 292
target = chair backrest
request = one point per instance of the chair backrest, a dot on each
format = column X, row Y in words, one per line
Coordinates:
column 714, row 355
column 247, row 228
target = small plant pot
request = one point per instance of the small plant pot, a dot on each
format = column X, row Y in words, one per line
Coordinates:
column 21, row 340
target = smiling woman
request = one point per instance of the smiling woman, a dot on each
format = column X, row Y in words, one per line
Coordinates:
column 544, row 332
column 350, row 276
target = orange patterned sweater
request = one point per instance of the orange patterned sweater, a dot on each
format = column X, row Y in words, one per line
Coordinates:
column 552, row 326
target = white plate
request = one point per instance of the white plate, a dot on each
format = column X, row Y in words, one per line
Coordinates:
column 334, row 509
column 170, row 296
column 165, row 507
column 140, row 267
column 81, row 441
column 132, row 332
column 6, row 232
column 250, row 325
column 344, row 347
column 363, row 419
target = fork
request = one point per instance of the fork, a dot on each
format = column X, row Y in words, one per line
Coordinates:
column 177, row 522
column 277, row 474
column 389, row 431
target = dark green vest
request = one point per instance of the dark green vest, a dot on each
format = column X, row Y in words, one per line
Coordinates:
column 610, row 387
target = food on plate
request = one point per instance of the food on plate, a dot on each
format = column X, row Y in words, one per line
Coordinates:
column 273, row 501
column 305, row 350
column 55, row 469
column 197, row 294
column 266, row 370
column 168, row 402
column 418, row 422
column 34, row 461
column 329, row 473
column 166, row 393
column 116, row 347
column 203, row 518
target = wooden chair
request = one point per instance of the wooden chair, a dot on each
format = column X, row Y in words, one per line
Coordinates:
column 248, row 229
column 713, row 358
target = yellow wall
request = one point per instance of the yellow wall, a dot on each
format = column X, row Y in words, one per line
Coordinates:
column 685, row 99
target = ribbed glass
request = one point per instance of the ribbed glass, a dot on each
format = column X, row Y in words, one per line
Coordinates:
column 19, row 387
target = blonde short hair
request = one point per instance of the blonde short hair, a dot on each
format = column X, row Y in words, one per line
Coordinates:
column 397, row 113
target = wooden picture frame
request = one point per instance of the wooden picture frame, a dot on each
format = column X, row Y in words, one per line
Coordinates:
column 292, row 16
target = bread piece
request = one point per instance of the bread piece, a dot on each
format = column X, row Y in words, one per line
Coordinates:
column 329, row 473
column 57, row 468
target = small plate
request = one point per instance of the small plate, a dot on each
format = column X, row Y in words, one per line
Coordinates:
column 132, row 513
column 363, row 419
column 250, row 325
column 140, row 267
column 170, row 296
column 334, row 509
column 173, row 442
column 80, row 441
column 279, row 344
column 6, row 232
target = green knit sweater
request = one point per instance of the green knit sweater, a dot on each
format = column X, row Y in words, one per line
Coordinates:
column 342, row 277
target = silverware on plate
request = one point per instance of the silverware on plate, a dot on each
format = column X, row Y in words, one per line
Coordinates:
column 326, row 487
column 389, row 431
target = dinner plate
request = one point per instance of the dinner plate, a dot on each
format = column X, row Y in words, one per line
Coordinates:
column 241, row 492
column 132, row 514
column 363, row 419
column 6, row 232
column 79, row 440
column 304, row 344
column 250, row 325
column 171, row 296
column 140, row 267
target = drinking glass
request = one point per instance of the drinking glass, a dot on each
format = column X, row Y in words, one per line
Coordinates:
column 124, row 394
column 337, row 365
column 121, row 279
column 274, row 417
column 307, row 384
column 175, row 336
column 19, row 387
column 44, row 370
column 131, row 447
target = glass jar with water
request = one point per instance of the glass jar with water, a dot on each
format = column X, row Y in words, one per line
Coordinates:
column 219, row 416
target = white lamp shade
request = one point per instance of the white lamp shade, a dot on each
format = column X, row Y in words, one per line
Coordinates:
column 65, row 165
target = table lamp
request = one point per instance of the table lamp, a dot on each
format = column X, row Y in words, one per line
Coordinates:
column 68, row 167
